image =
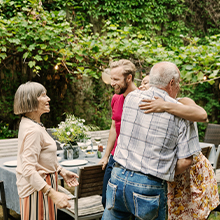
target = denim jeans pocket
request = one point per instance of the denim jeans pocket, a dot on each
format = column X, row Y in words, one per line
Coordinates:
column 110, row 195
column 146, row 207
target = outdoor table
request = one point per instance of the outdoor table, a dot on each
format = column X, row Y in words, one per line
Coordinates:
column 8, row 176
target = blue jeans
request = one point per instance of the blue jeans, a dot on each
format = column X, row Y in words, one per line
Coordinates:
column 131, row 193
column 107, row 175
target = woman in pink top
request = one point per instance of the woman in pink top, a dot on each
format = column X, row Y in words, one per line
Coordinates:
column 37, row 166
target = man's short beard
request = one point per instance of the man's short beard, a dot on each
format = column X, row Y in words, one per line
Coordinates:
column 123, row 89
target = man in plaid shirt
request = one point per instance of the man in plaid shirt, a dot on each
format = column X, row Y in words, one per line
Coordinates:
column 151, row 149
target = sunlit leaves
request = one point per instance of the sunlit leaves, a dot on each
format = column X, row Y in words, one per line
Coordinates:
column 31, row 64
column 3, row 55
column 52, row 39
column 38, row 58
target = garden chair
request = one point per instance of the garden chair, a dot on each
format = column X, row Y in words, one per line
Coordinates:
column 212, row 134
column 206, row 151
column 5, row 210
column 217, row 159
column 86, row 201
column 217, row 166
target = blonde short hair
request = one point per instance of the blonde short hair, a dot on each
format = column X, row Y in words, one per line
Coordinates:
column 128, row 67
column 25, row 99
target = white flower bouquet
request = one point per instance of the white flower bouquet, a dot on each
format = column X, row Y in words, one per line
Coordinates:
column 72, row 130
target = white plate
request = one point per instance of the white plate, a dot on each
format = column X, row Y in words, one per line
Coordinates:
column 71, row 163
column 94, row 147
column 12, row 163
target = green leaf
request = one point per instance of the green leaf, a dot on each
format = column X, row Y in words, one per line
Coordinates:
column 25, row 55
column 45, row 38
column 80, row 69
column 31, row 63
column 211, row 82
column 214, row 74
column 38, row 58
column 31, row 47
column 188, row 67
column 3, row 49
column 43, row 46
column 79, row 58
column 15, row 41
column 200, row 76
column 3, row 55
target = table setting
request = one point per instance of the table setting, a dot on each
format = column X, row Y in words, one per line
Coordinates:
column 76, row 143
column 88, row 154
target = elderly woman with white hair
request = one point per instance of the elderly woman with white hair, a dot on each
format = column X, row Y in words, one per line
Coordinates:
column 37, row 166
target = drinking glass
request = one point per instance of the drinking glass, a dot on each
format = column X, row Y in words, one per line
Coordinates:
column 82, row 144
column 97, row 139
column 89, row 142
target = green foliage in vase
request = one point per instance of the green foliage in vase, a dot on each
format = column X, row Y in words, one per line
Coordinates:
column 72, row 129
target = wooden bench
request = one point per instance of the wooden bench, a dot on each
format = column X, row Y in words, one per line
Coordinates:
column 8, row 147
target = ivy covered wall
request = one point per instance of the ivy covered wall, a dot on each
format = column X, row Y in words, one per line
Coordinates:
column 80, row 38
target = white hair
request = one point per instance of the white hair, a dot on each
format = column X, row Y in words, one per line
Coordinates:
column 162, row 73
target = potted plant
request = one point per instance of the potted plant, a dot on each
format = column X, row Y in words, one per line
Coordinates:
column 71, row 131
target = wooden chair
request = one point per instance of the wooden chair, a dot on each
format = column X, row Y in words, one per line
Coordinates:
column 206, row 151
column 217, row 160
column 86, row 201
column 3, row 201
column 217, row 166
column 5, row 210
column 212, row 134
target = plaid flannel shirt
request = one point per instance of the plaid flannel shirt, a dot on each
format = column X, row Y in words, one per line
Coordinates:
column 152, row 143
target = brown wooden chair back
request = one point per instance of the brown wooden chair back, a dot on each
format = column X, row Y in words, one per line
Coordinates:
column 90, row 181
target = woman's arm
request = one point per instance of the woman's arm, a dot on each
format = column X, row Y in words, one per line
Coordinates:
column 189, row 110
